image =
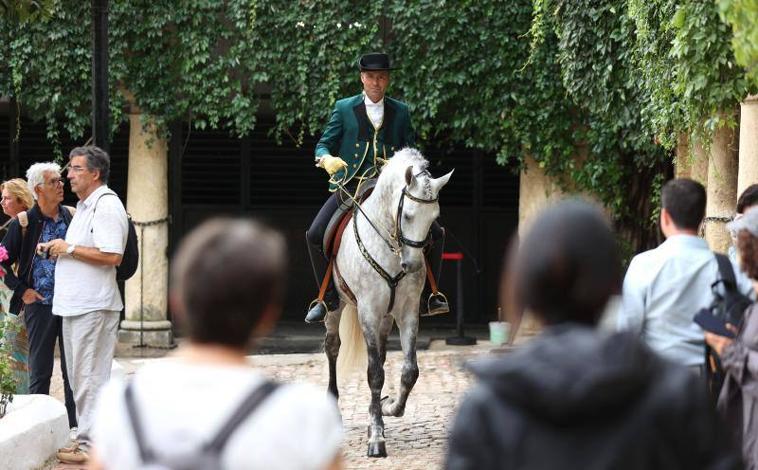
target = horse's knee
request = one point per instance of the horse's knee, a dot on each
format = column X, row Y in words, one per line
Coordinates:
column 409, row 375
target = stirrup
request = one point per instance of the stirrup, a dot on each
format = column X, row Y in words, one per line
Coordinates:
column 433, row 295
column 315, row 302
column 313, row 305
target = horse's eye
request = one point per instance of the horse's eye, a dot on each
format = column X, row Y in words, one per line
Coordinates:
column 407, row 217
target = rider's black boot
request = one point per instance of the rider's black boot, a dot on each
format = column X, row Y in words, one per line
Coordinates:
column 434, row 304
column 317, row 309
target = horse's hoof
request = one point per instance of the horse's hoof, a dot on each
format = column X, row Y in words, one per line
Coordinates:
column 377, row 449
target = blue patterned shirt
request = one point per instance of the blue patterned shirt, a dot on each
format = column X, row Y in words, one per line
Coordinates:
column 43, row 270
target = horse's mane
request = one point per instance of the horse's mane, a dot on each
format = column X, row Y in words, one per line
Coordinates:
column 393, row 172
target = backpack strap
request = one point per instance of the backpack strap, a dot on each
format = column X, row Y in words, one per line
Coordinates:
column 243, row 411
column 146, row 453
column 253, row 400
column 726, row 271
column 110, row 193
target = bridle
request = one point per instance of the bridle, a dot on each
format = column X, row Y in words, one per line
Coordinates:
column 396, row 239
column 396, row 236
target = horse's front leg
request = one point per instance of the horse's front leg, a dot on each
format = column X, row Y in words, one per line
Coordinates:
column 332, row 348
column 408, row 326
column 376, row 349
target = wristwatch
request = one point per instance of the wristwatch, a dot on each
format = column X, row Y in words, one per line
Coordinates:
column 70, row 249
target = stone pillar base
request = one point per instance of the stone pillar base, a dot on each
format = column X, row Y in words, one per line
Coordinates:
column 156, row 334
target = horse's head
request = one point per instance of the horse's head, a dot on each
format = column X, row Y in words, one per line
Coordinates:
column 417, row 208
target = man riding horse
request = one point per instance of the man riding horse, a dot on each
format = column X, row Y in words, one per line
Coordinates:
column 363, row 131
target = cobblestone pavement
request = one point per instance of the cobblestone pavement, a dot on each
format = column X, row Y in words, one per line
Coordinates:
column 414, row 441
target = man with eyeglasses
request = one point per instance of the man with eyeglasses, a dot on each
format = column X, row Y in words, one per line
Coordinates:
column 33, row 281
column 86, row 292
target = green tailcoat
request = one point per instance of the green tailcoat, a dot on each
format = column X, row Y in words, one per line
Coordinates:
column 351, row 136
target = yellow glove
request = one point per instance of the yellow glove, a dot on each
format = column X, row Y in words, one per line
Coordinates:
column 332, row 164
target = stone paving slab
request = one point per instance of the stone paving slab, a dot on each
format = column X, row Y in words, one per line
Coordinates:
column 414, row 441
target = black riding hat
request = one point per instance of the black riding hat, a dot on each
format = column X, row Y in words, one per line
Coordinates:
column 375, row 61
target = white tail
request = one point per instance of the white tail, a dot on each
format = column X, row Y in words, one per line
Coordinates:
column 352, row 357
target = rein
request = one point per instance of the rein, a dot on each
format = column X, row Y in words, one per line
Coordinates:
column 397, row 236
column 393, row 249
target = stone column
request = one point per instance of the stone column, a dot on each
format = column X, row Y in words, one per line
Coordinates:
column 147, row 201
column 748, row 158
column 721, row 188
column 691, row 162
column 536, row 192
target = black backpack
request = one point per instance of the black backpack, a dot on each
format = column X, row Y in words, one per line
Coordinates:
column 208, row 456
column 130, row 258
column 729, row 304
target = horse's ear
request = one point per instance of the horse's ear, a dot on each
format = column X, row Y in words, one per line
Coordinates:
column 442, row 180
column 409, row 176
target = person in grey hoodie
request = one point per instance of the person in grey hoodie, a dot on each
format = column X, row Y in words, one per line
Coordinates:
column 575, row 397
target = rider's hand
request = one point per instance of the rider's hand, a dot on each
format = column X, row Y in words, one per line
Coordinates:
column 332, row 164
column 30, row 296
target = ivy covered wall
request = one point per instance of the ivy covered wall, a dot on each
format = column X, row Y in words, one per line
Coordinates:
column 596, row 91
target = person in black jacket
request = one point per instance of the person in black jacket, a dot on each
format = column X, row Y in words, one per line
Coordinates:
column 33, row 282
column 575, row 397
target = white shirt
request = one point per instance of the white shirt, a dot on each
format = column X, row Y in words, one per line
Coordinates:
column 82, row 287
column 182, row 406
column 375, row 111
column 663, row 290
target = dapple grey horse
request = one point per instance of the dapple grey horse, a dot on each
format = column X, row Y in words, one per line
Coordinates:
column 379, row 273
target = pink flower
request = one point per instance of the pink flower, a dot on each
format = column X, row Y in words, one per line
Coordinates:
column 3, row 254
